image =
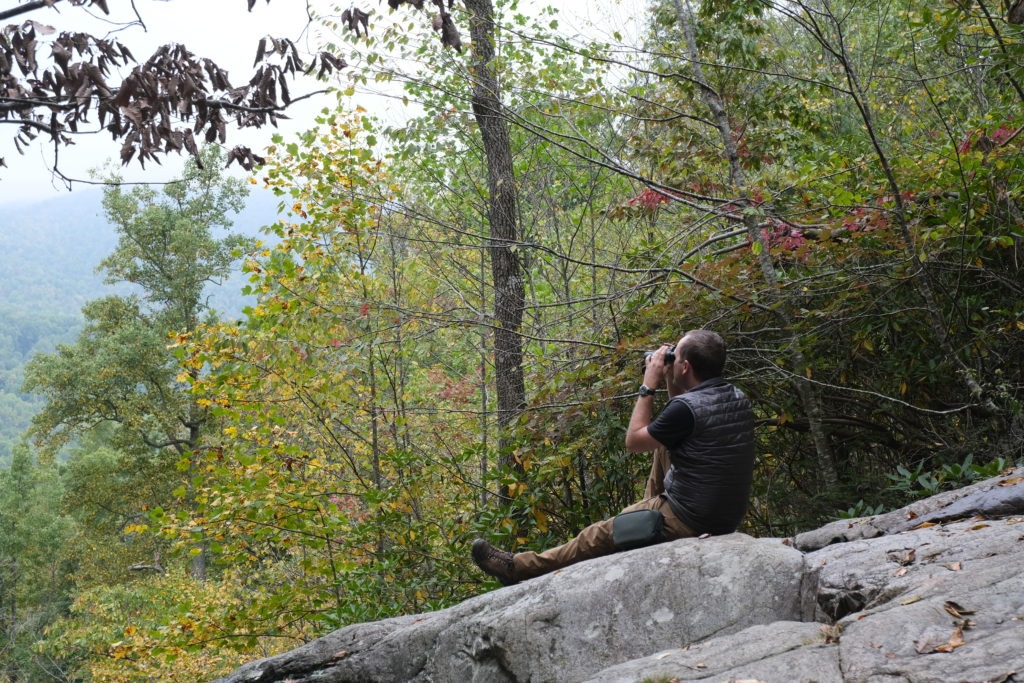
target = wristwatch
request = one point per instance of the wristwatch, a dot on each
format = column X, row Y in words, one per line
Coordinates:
column 646, row 391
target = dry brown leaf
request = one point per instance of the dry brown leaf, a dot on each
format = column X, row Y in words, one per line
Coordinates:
column 911, row 514
column 1012, row 481
column 956, row 640
column 956, row 609
column 902, row 571
column 978, row 526
column 924, row 525
column 953, row 566
column 911, row 600
column 902, row 557
column 932, row 639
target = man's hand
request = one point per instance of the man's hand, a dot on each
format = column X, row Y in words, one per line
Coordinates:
column 654, row 372
column 638, row 440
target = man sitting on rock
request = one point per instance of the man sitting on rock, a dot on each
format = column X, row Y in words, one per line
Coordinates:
column 703, row 443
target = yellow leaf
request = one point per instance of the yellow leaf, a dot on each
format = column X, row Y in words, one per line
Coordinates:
column 542, row 520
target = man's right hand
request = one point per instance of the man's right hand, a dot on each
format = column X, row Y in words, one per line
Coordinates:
column 654, row 372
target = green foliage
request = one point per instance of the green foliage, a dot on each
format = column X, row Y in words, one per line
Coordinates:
column 850, row 223
column 162, row 628
column 860, row 509
column 119, row 371
column 33, row 570
column 918, row 483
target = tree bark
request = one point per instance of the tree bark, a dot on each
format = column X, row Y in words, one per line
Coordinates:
column 503, row 218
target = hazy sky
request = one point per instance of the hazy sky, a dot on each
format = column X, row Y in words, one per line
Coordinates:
column 224, row 31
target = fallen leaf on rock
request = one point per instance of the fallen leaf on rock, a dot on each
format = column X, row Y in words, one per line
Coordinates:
column 953, row 566
column 978, row 526
column 1012, row 481
column 955, row 640
column 932, row 638
column 924, row 525
column 937, row 639
column 956, row 609
column 911, row 600
column 902, row 557
column 902, row 571
column 911, row 514
column 663, row 655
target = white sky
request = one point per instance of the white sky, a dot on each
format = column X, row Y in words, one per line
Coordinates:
column 225, row 32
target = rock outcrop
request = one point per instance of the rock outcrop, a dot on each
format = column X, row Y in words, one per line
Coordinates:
column 932, row 592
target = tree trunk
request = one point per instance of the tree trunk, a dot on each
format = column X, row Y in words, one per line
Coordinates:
column 805, row 390
column 921, row 274
column 503, row 218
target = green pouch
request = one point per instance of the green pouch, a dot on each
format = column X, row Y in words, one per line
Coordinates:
column 637, row 529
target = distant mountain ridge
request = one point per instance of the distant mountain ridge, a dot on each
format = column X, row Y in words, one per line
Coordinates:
column 49, row 252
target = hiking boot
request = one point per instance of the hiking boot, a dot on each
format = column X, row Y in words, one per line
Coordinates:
column 496, row 562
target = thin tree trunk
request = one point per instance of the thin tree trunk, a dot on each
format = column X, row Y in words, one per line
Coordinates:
column 921, row 276
column 503, row 219
column 805, row 390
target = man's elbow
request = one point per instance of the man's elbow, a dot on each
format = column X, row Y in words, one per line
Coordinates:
column 635, row 443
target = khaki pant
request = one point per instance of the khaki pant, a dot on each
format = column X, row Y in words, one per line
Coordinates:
column 596, row 539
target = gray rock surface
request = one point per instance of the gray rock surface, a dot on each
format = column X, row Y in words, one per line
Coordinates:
column 569, row 624
column 932, row 592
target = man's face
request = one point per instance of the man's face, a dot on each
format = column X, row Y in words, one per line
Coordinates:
column 676, row 370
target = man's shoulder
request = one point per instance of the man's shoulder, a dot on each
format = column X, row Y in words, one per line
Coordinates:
column 713, row 391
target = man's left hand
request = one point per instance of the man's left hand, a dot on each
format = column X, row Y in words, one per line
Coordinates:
column 654, row 372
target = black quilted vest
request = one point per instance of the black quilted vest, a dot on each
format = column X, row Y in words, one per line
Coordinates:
column 708, row 485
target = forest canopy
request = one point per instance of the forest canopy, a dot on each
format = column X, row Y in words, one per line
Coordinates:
column 451, row 311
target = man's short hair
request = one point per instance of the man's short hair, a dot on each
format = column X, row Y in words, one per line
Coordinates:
column 706, row 352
